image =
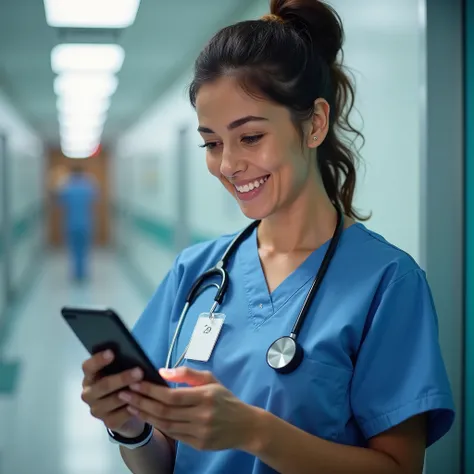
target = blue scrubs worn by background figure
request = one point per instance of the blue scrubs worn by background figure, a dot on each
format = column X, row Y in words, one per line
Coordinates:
column 77, row 197
column 372, row 357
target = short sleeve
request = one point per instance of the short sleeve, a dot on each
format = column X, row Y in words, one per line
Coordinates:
column 400, row 372
column 152, row 328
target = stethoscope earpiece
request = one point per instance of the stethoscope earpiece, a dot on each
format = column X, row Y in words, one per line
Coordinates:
column 285, row 355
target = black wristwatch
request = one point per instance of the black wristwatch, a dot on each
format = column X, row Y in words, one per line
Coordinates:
column 132, row 443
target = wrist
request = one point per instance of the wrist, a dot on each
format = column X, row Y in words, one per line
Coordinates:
column 257, row 431
column 132, row 443
column 131, row 429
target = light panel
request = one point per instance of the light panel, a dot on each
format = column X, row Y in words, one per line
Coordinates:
column 85, row 86
column 82, row 120
column 87, row 57
column 91, row 13
column 86, row 108
column 77, row 154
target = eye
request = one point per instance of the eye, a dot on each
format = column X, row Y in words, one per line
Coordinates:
column 209, row 145
column 252, row 139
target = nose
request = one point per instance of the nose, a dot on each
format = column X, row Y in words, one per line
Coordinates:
column 231, row 162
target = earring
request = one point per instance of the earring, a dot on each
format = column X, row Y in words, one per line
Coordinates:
column 315, row 138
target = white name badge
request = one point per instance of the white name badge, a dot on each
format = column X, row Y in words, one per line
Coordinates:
column 204, row 337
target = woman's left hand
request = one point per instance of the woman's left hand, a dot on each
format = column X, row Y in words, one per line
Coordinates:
column 204, row 415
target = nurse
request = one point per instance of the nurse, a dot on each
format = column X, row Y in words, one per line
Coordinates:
column 371, row 392
column 77, row 197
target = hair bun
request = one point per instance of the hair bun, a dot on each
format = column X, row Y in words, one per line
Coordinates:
column 316, row 19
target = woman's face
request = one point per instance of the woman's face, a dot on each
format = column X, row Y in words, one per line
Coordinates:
column 252, row 147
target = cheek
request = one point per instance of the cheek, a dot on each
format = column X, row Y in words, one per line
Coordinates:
column 213, row 165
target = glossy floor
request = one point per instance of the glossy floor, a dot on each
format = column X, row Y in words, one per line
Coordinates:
column 45, row 428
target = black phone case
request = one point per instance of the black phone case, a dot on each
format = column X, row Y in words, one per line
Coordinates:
column 102, row 329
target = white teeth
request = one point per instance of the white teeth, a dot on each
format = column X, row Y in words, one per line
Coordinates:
column 250, row 186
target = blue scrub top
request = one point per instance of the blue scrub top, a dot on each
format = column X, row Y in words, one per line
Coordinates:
column 77, row 197
column 372, row 356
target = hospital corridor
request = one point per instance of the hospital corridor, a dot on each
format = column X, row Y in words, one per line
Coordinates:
column 283, row 276
column 44, row 370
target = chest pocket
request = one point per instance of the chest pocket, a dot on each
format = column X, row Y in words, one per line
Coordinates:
column 314, row 397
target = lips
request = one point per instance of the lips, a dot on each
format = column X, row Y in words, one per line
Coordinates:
column 251, row 189
column 250, row 186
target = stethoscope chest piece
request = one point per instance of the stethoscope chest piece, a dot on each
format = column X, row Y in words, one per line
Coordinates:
column 284, row 355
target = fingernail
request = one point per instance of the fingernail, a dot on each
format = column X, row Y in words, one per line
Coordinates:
column 169, row 372
column 137, row 373
column 125, row 397
column 132, row 410
column 108, row 355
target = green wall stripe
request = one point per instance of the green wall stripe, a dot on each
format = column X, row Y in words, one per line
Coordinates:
column 24, row 225
column 159, row 232
column 469, row 196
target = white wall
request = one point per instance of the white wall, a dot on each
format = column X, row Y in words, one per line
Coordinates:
column 383, row 50
column 24, row 152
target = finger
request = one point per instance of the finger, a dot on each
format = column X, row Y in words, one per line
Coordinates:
column 178, row 397
column 172, row 429
column 96, row 363
column 188, row 376
column 159, row 410
column 113, row 383
column 105, row 406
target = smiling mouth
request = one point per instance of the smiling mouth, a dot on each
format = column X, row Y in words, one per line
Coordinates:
column 246, row 188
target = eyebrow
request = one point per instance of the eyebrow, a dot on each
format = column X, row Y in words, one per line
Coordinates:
column 236, row 123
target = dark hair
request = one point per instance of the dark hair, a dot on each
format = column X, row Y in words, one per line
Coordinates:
column 76, row 169
column 291, row 59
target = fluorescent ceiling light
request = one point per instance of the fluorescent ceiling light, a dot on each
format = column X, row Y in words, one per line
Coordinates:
column 70, row 105
column 85, row 85
column 74, row 137
column 88, row 119
column 77, row 154
column 81, row 126
column 91, row 13
column 87, row 57
column 80, row 134
column 80, row 130
column 79, row 148
column 79, row 141
column 84, row 149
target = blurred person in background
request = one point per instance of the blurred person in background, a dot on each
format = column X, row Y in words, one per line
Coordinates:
column 76, row 195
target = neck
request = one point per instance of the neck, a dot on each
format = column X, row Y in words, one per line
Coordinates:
column 304, row 225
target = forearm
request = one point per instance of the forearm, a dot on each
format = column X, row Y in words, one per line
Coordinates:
column 289, row 450
column 156, row 457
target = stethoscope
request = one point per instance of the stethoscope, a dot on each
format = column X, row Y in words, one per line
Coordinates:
column 285, row 354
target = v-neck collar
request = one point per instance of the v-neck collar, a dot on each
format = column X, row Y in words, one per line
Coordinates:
column 262, row 303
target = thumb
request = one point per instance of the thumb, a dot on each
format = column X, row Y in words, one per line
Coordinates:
column 188, row 376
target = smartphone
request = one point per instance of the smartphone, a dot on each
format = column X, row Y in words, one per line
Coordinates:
column 100, row 329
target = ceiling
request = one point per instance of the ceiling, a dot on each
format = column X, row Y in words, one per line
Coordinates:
column 159, row 46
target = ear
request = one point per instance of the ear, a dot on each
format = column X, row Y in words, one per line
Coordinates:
column 319, row 123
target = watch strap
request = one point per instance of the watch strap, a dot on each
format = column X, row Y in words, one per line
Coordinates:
column 132, row 443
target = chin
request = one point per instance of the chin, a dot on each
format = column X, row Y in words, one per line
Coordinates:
column 254, row 212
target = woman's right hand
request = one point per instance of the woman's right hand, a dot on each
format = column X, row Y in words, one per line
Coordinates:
column 101, row 395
